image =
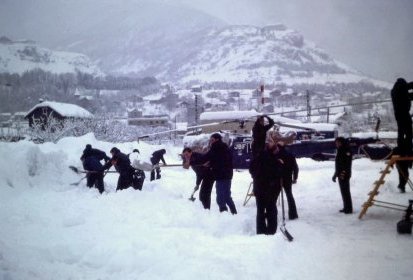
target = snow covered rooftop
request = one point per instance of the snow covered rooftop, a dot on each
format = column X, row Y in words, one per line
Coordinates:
column 227, row 115
column 64, row 109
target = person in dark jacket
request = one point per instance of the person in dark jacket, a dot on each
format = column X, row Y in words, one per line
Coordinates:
column 157, row 156
column 219, row 157
column 122, row 165
column 289, row 177
column 259, row 133
column 204, row 176
column 91, row 160
column 343, row 162
column 98, row 154
column 401, row 99
column 266, row 170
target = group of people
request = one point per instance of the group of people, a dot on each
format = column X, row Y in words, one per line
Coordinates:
column 272, row 169
column 213, row 166
column 128, row 175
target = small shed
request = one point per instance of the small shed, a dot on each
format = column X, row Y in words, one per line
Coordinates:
column 43, row 112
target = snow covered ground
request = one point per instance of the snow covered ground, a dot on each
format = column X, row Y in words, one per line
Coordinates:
column 51, row 229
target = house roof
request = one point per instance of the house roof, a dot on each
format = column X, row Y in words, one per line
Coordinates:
column 227, row 115
column 64, row 109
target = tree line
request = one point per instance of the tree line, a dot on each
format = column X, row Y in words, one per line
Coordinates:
column 20, row 92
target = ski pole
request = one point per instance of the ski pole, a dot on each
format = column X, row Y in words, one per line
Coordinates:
column 282, row 227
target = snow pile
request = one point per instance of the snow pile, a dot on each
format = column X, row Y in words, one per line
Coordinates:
column 51, row 229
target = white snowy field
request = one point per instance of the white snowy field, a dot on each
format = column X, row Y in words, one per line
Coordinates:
column 51, row 229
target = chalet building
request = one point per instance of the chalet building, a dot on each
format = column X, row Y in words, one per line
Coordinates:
column 44, row 112
column 134, row 113
column 182, row 105
column 5, row 119
column 150, row 120
column 196, row 88
column 234, row 94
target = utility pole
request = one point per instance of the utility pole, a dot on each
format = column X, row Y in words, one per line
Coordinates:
column 196, row 109
column 308, row 106
column 328, row 114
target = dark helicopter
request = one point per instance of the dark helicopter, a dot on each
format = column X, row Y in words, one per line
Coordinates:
column 305, row 140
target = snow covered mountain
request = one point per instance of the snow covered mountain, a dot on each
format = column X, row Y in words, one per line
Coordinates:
column 21, row 56
column 176, row 43
column 248, row 53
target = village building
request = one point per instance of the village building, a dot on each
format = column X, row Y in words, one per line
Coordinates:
column 45, row 112
column 5, row 119
column 196, row 88
column 134, row 113
column 150, row 120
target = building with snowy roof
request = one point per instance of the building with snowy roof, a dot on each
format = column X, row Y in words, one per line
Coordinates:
column 43, row 112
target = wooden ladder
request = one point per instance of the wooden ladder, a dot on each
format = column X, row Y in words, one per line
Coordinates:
column 377, row 184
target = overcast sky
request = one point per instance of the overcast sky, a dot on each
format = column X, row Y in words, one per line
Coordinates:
column 373, row 36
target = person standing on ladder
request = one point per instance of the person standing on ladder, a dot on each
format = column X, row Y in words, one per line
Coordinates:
column 401, row 99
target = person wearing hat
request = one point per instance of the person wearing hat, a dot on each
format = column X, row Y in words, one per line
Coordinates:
column 122, row 165
column 91, row 160
column 219, row 159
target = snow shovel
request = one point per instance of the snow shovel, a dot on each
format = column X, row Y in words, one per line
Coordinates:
column 282, row 227
column 77, row 183
column 192, row 198
column 75, row 169
column 78, row 171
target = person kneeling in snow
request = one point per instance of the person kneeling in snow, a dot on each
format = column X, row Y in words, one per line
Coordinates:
column 122, row 165
column 91, row 163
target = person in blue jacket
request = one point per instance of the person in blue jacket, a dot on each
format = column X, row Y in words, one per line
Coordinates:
column 219, row 159
column 91, row 160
